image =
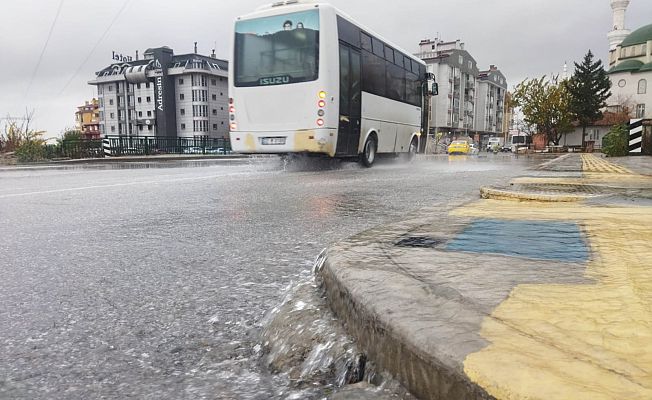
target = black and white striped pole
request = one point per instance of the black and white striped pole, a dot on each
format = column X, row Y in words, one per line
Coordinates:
column 106, row 146
column 635, row 136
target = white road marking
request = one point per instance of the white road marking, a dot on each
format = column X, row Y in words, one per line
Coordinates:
column 197, row 178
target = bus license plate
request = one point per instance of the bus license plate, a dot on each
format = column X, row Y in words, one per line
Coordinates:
column 273, row 140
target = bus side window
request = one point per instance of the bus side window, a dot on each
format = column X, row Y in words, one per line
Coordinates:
column 389, row 54
column 379, row 47
column 348, row 32
column 399, row 59
column 365, row 41
column 408, row 62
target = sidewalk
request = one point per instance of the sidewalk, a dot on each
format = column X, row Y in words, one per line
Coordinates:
column 511, row 299
column 129, row 159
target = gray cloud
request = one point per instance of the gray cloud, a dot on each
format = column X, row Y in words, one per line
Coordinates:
column 525, row 38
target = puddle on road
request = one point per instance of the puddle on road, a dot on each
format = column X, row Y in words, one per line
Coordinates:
column 541, row 240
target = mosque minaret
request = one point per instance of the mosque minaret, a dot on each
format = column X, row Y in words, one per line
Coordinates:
column 619, row 33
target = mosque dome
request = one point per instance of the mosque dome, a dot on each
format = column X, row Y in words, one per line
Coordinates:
column 639, row 36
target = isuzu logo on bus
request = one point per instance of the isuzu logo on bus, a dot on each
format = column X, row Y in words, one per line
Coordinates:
column 275, row 80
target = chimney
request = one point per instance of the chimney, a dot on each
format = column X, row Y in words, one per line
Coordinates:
column 213, row 54
column 195, row 47
column 136, row 55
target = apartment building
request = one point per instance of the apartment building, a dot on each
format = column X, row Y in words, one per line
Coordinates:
column 490, row 108
column 453, row 110
column 164, row 95
column 87, row 119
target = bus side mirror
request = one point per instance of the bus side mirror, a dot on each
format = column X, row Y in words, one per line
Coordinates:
column 435, row 89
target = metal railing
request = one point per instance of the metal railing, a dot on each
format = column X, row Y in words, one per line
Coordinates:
column 152, row 145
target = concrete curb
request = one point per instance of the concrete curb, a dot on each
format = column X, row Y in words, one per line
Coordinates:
column 426, row 372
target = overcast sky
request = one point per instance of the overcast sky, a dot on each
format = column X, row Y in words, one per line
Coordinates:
column 524, row 38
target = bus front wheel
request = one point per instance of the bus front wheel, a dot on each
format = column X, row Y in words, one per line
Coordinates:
column 369, row 152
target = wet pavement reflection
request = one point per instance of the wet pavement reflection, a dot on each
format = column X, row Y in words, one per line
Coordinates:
column 151, row 279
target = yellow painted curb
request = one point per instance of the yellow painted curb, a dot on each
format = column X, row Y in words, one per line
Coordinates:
column 499, row 194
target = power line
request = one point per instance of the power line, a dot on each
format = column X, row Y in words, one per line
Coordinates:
column 45, row 46
column 97, row 44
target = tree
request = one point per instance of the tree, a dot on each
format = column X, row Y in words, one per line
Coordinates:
column 616, row 142
column 16, row 131
column 70, row 135
column 589, row 90
column 545, row 104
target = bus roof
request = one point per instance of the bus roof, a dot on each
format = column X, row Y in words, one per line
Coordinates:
column 284, row 7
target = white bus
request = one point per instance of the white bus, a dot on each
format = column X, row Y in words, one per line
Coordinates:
column 306, row 78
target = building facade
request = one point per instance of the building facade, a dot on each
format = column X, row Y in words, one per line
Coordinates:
column 630, row 66
column 87, row 120
column 470, row 102
column 490, row 109
column 164, row 95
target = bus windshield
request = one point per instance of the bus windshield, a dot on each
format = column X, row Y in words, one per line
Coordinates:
column 277, row 50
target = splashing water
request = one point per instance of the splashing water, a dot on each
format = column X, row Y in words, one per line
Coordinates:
column 303, row 343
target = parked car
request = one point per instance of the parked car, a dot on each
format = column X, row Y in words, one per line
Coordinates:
column 459, row 147
column 494, row 144
column 193, row 150
column 217, row 150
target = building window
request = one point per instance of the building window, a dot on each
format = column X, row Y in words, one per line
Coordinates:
column 149, row 127
column 140, row 113
column 149, row 99
column 110, row 88
column 180, row 81
column 181, row 96
column 147, row 85
column 221, row 94
column 461, row 60
column 214, row 97
column 214, row 112
column 140, row 127
column 183, row 127
column 214, row 127
column 149, row 113
column 642, row 86
column 182, row 111
column 112, row 115
column 138, row 86
column 110, row 102
column 140, row 100
column 112, row 128
column 214, row 82
column 640, row 111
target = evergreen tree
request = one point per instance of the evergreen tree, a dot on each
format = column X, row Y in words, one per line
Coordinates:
column 589, row 88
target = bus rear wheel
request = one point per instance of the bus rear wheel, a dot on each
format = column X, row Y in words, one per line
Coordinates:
column 369, row 152
column 413, row 149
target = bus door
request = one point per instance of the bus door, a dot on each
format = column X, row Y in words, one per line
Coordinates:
column 348, row 135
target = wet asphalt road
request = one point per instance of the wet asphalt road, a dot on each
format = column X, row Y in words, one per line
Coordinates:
column 146, row 280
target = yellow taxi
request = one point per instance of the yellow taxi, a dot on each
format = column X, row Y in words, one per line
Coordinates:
column 459, row 147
